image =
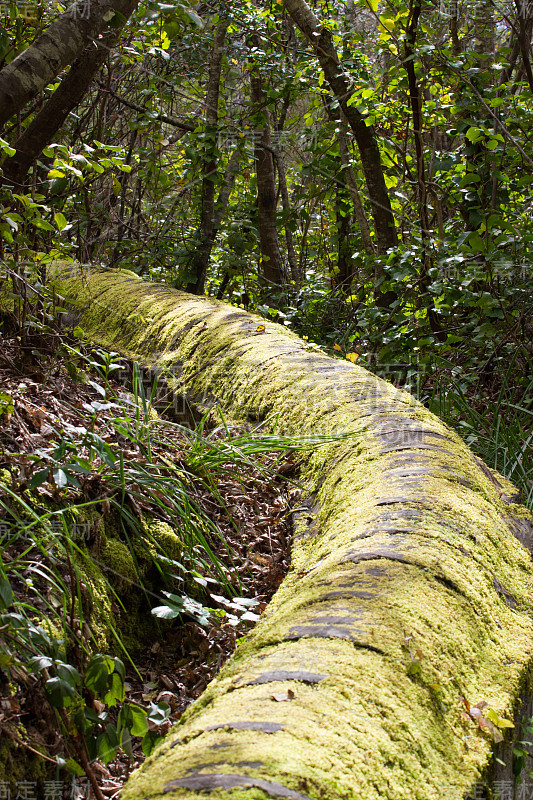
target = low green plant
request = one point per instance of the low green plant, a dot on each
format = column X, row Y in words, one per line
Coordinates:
column 72, row 689
column 522, row 751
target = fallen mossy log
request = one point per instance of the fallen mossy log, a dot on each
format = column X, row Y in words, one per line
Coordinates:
column 408, row 587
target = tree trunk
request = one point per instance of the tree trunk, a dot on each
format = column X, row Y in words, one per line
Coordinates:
column 408, row 584
column 60, row 44
column 221, row 206
column 207, row 229
column 284, row 192
column 415, row 101
column 287, row 213
column 322, row 43
column 485, row 30
column 271, row 261
column 344, row 271
column 524, row 19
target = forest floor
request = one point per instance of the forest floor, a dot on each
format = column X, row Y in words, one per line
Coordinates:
column 47, row 400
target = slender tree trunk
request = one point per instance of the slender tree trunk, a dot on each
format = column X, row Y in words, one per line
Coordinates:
column 207, row 228
column 60, row 44
column 454, row 18
column 524, row 20
column 344, row 273
column 285, row 200
column 286, row 203
column 227, row 187
column 479, row 201
column 115, row 258
column 485, row 30
column 271, row 261
column 415, row 100
column 351, row 180
column 322, row 43
column 222, row 204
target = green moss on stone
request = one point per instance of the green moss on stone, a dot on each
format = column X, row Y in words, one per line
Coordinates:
column 121, row 571
column 166, row 538
column 19, row 765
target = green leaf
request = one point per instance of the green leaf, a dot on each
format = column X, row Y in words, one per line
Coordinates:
column 126, row 744
column 105, row 747
column 469, row 179
column 6, row 593
column 59, row 692
column 194, row 18
column 6, row 232
column 166, row 612
column 117, row 21
column 6, row 147
column 133, row 719
column 159, row 713
column 476, row 242
column 97, row 673
column 60, row 478
column 42, row 225
column 38, row 663
column 119, row 667
column 39, row 478
column 58, row 185
column 69, row 674
column 150, row 741
column 60, row 220
column 6, row 404
column 474, row 134
column 115, row 692
column 74, row 767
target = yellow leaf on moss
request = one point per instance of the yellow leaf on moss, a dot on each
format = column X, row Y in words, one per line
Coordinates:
column 498, row 721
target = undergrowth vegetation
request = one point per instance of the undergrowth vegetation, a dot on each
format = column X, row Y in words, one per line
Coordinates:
column 475, row 374
column 110, row 511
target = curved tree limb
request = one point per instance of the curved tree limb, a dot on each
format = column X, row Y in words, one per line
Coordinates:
column 321, row 41
column 50, row 118
column 60, row 44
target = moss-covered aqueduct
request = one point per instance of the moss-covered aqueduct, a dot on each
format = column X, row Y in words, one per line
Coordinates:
column 405, row 541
